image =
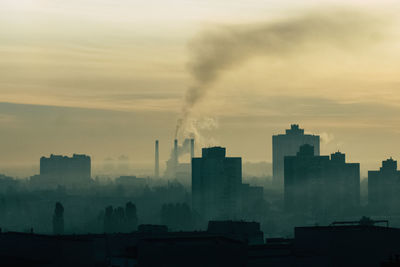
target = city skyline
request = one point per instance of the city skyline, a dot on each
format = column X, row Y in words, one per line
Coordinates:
column 199, row 133
column 108, row 79
column 124, row 165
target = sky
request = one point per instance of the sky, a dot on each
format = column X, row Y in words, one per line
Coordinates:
column 107, row 78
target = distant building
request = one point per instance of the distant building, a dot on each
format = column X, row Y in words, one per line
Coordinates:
column 8, row 183
column 216, row 184
column 288, row 145
column 384, row 185
column 62, row 170
column 319, row 183
column 131, row 181
column 63, row 166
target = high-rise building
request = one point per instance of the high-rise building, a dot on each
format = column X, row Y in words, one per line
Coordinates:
column 63, row 166
column 216, row 184
column 384, row 185
column 319, row 183
column 288, row 145
column 62, row 170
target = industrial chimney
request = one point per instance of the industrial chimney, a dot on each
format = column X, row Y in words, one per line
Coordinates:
column 157, row 162
column 175, row 158
column 191, row 148
column 176, row 152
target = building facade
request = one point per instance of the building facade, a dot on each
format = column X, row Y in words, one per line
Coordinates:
column 320, row 183
column 216, row 184
column 288, row 145
column 384, row 185
column 62, row 170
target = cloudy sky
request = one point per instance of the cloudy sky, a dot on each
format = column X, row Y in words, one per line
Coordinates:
column 108, row 77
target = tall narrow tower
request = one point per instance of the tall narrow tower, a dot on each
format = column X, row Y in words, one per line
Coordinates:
column 157, row 162
column 191, row 149
column 176, row 156
column 176, row 151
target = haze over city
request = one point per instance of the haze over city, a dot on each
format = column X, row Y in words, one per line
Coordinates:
column 108, row 78
column 196, row 133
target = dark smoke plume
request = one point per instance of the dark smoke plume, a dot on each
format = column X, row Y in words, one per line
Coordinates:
column 227, row 47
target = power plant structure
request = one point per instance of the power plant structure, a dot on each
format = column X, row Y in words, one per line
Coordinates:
column 180, row 171
column 191, row 149
column 175, row 154
column 157, row 161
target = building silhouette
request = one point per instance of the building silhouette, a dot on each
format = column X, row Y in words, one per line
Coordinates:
column 384, row 185
column 63, row 166
column 362, row 244
column 246, row 231
column 319, row 183
column 288, row 145
column 62, row 170
column 216, row 184
column 224, row 243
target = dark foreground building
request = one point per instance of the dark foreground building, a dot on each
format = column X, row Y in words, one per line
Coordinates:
column 245, row 231
column 346, row 245
column 319, row 183
column 361, row 244
column 192, row 251
column 223, row 244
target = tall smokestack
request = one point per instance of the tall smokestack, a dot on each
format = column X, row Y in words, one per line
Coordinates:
column 157, row 162
column 176, row 152
column 191, row 148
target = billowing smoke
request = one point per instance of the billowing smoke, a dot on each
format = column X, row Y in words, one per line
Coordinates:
column 227, row 47
column 184, row 148
column 326, row 138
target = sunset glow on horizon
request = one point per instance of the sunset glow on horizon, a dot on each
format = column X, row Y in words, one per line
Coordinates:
column 119, row 72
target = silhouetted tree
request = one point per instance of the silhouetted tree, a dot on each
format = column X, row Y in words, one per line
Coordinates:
column 131, row 217
column 108, row 220
column 119, row 219
column 58, row 219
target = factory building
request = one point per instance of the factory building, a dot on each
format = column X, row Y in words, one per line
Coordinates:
column 176, row 170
